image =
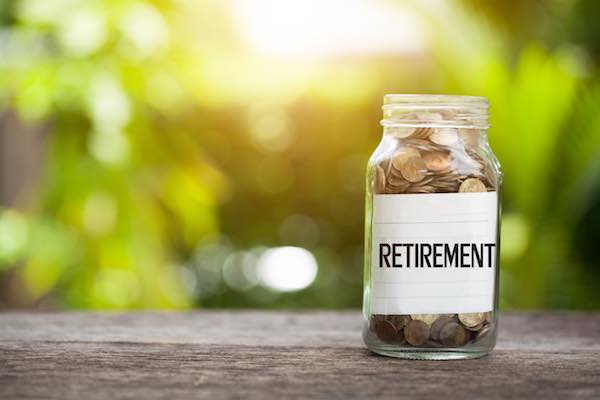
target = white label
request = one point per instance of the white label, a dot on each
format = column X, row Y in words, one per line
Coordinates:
column 433, row 253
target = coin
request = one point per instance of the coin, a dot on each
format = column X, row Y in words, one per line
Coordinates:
column 378, row 180
column 396, row 178
column 437, row 326
column 421, row 189
column 400, row 336
column 475, row 328
column 444, row 136
column 402, row 132
column 454, row 335
column 453, row 316
column 423, row 181
column 483, row 333
column 472, row 185
column 423, row 145
column 470, row 137
column 416, row 332
column 488, row 316
column 385, row 331
column 402, row 155
column 442, row 187
column 398, row 187
column 399, row 321
column 373, row 321
column 413, row 169
column 471, row 319
column 427, row 318
column 421, row 133
column 437, row 161
column 490, row 175
column 432, row 343
column 395, row 173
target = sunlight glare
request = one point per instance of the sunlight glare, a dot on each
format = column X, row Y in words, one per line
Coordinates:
column 335, row 27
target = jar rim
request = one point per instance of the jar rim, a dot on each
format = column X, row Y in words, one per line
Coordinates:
column 433, row 100
column 435, row 110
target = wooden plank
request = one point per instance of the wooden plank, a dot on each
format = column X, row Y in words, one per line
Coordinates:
column 281, row 354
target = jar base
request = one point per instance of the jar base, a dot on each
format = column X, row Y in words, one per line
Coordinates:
column 429, row 354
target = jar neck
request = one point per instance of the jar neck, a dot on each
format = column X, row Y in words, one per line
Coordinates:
column 406, row 132
column 434, row 111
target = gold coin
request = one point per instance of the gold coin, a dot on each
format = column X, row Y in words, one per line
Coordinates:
column 397, row 189
column 421, row 133
column 475, row 328
column 423, row 182
column 378, row 180
column 402, row 155
column 413, row 169
column 472, row 185
column 437, row 161
column 490, row 174
column 399, row 321
column 488, row 316
column 395, row 178
column 427, row 318
column 386, row 164
column 402, row 132
column 471, row 319
column 393, row 172
column 442, row 187
column 444, row 136
column 416, row 332
column 421, row 189
column 470, row 137
column 422, row 145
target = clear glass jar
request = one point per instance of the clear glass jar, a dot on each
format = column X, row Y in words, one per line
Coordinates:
column 431, row 230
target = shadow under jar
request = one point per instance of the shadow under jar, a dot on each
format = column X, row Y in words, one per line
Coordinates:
column 431, row 231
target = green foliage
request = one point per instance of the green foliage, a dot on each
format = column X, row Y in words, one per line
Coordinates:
column 175, row 154
column 122, row 191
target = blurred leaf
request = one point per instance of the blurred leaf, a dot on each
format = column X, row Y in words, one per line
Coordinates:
column 527, row 127
column 580, row 167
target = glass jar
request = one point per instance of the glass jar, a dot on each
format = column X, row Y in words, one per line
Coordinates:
column 431, row 230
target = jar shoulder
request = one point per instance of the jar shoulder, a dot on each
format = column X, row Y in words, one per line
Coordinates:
column 420, row 162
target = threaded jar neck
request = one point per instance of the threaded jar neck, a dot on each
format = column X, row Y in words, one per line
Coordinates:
column 424, row 110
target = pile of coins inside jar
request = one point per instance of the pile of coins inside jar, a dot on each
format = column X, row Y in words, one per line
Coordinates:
column 434, row 160
column 432, row 330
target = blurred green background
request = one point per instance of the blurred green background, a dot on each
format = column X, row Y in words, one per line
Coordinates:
column 177, row 154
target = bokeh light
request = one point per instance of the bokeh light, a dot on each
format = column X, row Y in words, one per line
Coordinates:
column 239, row 271
column 287, row 268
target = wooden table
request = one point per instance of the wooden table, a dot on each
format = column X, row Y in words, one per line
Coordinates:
column 258, row 355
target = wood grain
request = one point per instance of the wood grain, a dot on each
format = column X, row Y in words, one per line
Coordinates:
column 258, row 355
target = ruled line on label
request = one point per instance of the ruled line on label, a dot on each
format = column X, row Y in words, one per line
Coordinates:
column 434, row 297
column 425, row 282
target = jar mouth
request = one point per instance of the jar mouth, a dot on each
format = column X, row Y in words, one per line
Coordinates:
column 435, row 110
